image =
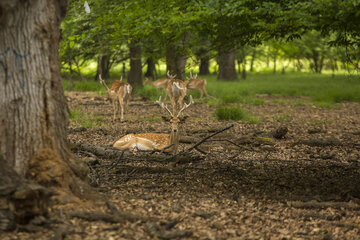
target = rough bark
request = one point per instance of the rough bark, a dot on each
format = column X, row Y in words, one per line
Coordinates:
column 135, row 74
column 20, row 200
column 32, row 103
column 227, row 70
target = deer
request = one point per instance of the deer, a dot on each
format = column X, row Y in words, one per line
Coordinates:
column 198, row 84
column 155, row 141
column 160, row 83
column 119, row 93
column 176, row 90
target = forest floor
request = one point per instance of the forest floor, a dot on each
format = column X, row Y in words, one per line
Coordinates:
column 248, row 185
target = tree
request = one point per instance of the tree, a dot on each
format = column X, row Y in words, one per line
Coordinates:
column 32, row 103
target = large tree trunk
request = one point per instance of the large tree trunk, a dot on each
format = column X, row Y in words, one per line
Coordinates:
column 135, row 74
column 32, row 103
column 227, row 71
column 103, row 67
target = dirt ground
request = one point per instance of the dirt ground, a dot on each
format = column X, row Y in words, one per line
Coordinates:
column 248, row 185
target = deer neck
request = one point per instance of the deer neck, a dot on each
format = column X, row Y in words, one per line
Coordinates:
column 174, row 139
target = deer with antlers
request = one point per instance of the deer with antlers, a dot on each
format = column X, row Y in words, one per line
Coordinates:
column 160, row 83
column 119, row 92
column 155, row 141
column 198, row 84
column 176, row 90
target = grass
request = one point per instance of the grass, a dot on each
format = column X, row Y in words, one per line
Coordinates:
column 85, row 120
column 321, row 88
column 234, row 113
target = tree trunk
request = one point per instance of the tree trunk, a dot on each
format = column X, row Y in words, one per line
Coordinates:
column 176, row 57
column 227, row 70
column 253, row 56
column 135, row 74
column 150, row 67
column 103, row 67
column 32, row 103
column 204, row 66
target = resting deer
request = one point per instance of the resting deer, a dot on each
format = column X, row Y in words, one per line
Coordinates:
column 160, row 83
column 119, row 92
column 198, row 84
column 155, row 141
column 176, row 90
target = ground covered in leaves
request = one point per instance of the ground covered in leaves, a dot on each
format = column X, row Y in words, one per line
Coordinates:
column 244, row 183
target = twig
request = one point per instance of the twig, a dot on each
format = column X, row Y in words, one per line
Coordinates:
column 204, row 139
column 200, row 142
column 117, row 161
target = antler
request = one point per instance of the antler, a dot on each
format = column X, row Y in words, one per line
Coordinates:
column 162, row 104
column 186, row 105
column 170, row 76
column 103, row 82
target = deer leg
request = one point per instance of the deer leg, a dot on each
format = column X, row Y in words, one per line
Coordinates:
column 206, row 94
column 114, row 107
column 121, row 101
column 201, row 93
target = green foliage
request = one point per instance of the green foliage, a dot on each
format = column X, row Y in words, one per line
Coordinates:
column 85, row 120
column 82, row 86
column 234, row 113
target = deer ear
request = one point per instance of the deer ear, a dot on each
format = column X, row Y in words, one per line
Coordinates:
column 183, row 119
column 165, row 118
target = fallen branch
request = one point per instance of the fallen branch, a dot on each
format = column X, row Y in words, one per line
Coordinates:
column 119, row 217
column 206, row 138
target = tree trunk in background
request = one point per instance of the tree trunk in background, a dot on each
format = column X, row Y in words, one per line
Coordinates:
column 150, row 67
column 32, row 103
column 253, row 55
column 204, row 66
column 135, row 74
column 227, row 71
column 103, row 67
column 176, row 57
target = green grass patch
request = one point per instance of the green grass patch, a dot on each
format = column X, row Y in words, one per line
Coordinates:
column 85, row 120
column 234, row 113
column 150, row 119
column 286, row 117
column 82, row 86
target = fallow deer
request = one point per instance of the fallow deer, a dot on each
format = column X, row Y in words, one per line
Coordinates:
column 160, row 83
column 176, row 90
column 155, row 141
column 119, row 92
column 198, row 84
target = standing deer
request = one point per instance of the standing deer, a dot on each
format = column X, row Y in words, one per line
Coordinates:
column 119, row 92
column 160, row 83
column 155, row 141
column 197, row 83
column 176, row 90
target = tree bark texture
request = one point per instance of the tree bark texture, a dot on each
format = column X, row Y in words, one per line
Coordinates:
column 32, row 103
column 227, row 71
column 135, row 74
